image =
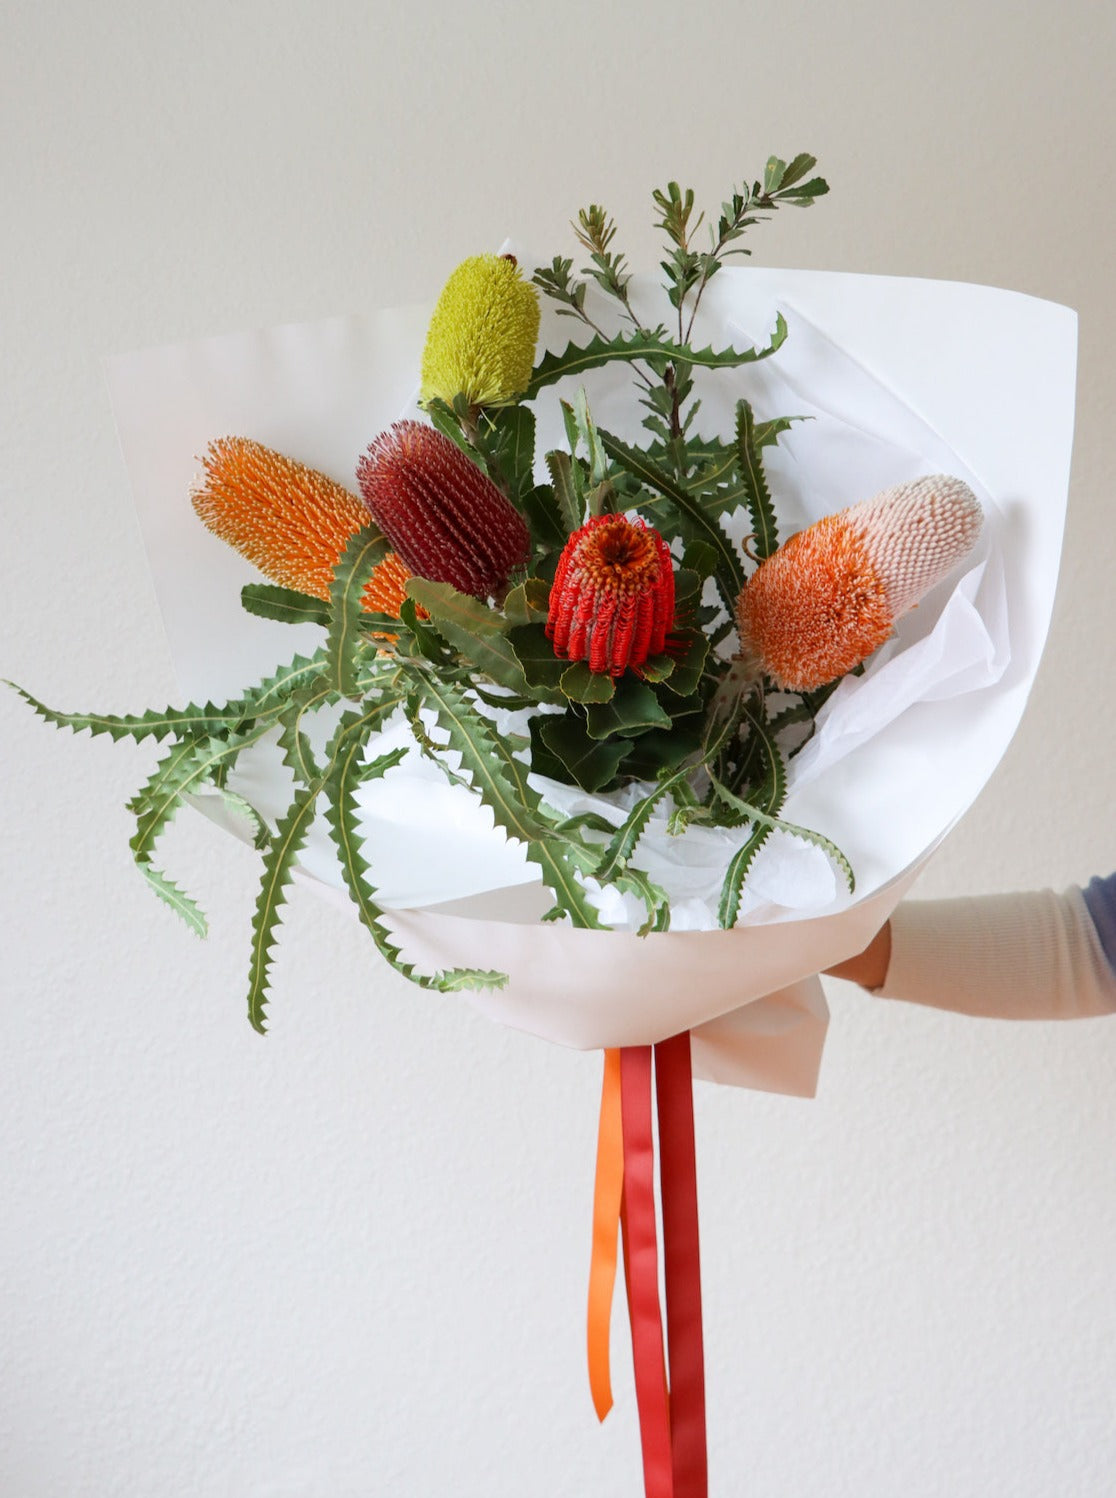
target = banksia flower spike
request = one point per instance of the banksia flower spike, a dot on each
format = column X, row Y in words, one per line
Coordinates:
column 445, row 518
column 481, row 340
column 612, row 601
column 288, row 520
column 831, row 595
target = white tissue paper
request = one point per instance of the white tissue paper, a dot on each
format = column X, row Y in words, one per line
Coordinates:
column 899, row 378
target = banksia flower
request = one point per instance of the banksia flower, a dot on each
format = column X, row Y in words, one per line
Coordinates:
column 481, row 340
column 288, row 520
column 831, row 595
column 612, row 600
column 445, row 518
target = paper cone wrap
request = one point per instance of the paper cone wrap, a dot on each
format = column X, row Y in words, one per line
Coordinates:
column 899, row 379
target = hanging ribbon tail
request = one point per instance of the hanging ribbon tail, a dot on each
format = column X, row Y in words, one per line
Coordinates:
column 607, row 1202
column 642, row 1263
column 682, row 1260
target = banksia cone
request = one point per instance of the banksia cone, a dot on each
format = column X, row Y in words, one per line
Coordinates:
column 445, row 518
column 831, row 595
column 612, row 601
column 290, row 521
column 481, row 340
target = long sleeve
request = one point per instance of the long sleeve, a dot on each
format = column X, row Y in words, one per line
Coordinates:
column 1028, row 956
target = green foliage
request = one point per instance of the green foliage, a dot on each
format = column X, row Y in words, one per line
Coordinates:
column 707, row 743
column 757, row 496
column 285, row 605
column 361, row 556
column 653, row 348
column 348, row 771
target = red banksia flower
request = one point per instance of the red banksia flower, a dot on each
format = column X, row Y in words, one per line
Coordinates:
column 445, row 518
column 612, row 600
column 288, row 520
column 832, row 594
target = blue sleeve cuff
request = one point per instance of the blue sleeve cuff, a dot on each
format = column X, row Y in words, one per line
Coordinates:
column 1100, row 900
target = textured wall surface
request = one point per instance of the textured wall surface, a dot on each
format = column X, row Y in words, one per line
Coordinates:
column 350, row 1259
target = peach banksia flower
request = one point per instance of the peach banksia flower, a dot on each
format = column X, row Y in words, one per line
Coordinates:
column 832, row 594
column 612, row 601
column 445, row 518
column 288, row 520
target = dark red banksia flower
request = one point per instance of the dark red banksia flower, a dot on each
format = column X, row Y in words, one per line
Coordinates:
column 445, row 518
column 612, row 601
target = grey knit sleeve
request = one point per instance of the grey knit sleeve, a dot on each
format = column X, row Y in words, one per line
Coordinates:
column 1028, row 956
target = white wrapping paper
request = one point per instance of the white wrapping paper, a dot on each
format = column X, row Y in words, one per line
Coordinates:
column 899, row 378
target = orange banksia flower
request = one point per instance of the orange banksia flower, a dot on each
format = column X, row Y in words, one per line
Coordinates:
column 288, row 520
column 445, row 518
column 612, row 601
column 830, row 596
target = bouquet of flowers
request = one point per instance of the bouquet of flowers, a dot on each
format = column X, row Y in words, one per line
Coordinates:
column 584, row 619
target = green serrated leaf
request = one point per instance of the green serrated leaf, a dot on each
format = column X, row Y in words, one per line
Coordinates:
column 652, row 347
column 626, row 837
column 348, row 771
column 474, row 630
column 445, row 420
column 298, row 755
column 188, row 767
column 568, row 494
column 243, row 808
column 732, row 887
column 506, row 436
column 424, row 637
column 757, row 496
column 365, row 551
column 501, row 783
column 177, row 899
column 587, row 435
column 279, row 862
column 819, row 840
column 729, row 572
column 283, row 604
column 190, row 720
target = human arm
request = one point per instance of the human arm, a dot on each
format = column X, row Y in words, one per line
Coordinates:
column 1038, row 955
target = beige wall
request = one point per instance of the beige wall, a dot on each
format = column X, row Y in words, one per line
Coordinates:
column 350, row 1260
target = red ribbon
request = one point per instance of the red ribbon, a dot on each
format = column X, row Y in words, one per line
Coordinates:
column 681, row 1253
column 642, row 1263
column 671, row 1420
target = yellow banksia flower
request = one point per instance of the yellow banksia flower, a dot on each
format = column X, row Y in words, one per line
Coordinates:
column 288, row 520
column 832, row 594
column 481, row 339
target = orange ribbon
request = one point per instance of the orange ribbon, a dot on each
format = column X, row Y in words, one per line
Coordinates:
column 607, row 1196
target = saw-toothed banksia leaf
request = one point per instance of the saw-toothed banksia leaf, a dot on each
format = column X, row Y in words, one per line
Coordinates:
column 832, row 594
column 612, row 601
column 288, row 520
column 481, row 339
column 446, row 519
